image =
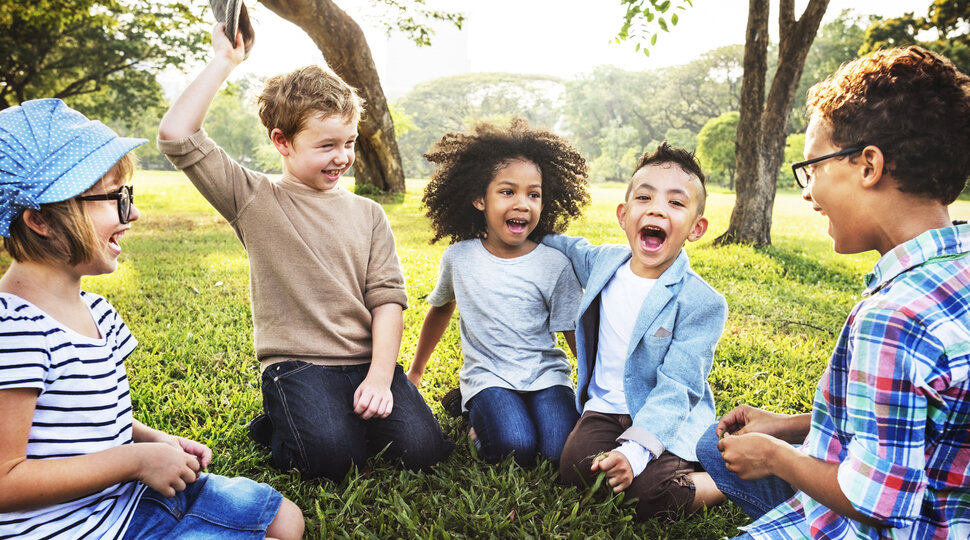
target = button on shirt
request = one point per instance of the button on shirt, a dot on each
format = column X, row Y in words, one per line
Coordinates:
column 892, row 407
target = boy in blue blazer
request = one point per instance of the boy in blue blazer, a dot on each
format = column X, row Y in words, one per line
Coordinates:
column 646, row 334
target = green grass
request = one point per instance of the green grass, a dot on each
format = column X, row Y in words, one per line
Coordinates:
column 183, row 288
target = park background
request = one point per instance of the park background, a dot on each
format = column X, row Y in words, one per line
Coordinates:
column 183, row 288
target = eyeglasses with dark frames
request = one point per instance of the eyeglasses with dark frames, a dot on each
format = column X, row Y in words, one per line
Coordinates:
column 803, row 175
column 125, row 197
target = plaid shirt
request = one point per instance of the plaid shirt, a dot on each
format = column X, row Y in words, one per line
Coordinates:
column 893, row 406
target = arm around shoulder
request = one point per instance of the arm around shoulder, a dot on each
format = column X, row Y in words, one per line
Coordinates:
column 578, row 250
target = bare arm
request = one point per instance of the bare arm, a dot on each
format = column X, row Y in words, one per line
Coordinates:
column 756, row 455
column 570, row 337
column 186, row 115
column 435, row 324
column 373, row 397
column 33, row 483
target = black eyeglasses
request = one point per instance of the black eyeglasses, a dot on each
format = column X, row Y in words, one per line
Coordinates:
column 124, row 196
column 803, row 175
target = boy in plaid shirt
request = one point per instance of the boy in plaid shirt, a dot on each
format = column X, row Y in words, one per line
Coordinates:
column 885, row 451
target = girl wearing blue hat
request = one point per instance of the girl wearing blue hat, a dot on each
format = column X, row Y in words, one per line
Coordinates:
column 73, row 461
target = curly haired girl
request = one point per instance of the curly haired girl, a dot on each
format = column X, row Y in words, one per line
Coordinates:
column 495, row 193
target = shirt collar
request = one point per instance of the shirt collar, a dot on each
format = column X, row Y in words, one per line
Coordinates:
column 910, row 254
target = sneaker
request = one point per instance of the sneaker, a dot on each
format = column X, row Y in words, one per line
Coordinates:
column 452, row 402
column 261, row 430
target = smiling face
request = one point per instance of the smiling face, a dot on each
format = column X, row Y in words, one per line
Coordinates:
column 319, row 153
column 660, row 214
column 834, row 191
column 512, row 205
column 107, row 227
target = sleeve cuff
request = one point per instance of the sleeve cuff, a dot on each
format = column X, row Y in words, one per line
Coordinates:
column 888, row 492
column 637, row 455
column 644, row 438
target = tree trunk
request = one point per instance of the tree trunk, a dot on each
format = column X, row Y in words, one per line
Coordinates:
column 345, row 49
column 762, row 126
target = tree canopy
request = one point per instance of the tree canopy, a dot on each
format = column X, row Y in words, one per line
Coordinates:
column 950, row 19
column 101, row 56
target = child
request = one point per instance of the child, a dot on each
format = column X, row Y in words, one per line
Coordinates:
column 327, row 288
column 646, row 334
column 495, row 193
column 886, row 450
column 76, row 464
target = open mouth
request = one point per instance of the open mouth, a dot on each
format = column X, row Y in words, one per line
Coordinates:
column 114, row 241
column 652, row 238
column 517, row 226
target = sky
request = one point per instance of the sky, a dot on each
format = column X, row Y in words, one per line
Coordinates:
column 564, row 38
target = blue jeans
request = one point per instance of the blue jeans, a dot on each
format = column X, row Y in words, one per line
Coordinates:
column 522, row 423
column 315, row 428
column 755, row 497
column 213, row 507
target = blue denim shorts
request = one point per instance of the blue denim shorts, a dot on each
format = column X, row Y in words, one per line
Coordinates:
column 211, row 507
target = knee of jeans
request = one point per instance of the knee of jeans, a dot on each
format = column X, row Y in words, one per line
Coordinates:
column 314, row 461
column 707, row 453
column 423, row 457
column 505, row 442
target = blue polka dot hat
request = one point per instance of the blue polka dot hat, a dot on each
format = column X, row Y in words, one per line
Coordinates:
column 49, row 153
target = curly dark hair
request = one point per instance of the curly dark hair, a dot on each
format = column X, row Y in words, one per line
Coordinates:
column 914, row 105
column 466, row 164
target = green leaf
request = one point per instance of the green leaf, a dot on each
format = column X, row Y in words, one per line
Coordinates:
column 663, row 24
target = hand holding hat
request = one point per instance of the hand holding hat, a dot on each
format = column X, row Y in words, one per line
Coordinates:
column 236, row 17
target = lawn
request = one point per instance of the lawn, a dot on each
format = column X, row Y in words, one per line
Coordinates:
column 183, row 288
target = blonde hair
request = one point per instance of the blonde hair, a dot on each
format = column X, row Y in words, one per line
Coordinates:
column 289, row 100
column 71, row 237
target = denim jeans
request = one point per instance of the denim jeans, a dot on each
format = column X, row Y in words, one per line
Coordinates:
column 755, row 497
column 315, row 428
column 212, row 507
column 522, row 423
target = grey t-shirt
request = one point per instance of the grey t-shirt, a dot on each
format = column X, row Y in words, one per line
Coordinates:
column 509, row 310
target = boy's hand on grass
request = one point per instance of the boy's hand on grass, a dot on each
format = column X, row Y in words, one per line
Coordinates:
column 619, row 474
column 373, row 399
column 165, row 469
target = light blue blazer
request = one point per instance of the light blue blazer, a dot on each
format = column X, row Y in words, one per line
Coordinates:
column 670, row 353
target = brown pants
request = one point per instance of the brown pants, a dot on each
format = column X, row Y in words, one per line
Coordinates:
column 663, row 487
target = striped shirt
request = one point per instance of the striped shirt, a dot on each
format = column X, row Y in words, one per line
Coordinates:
column 83, row 406
column 893, row 406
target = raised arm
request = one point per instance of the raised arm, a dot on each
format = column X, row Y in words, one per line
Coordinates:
column 435, row 324
column 186, row 115
column 34, row 483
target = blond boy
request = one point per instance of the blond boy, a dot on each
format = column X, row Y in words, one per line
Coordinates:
column 326, row 284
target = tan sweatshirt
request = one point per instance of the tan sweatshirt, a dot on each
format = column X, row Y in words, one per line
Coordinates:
column 319, row 261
